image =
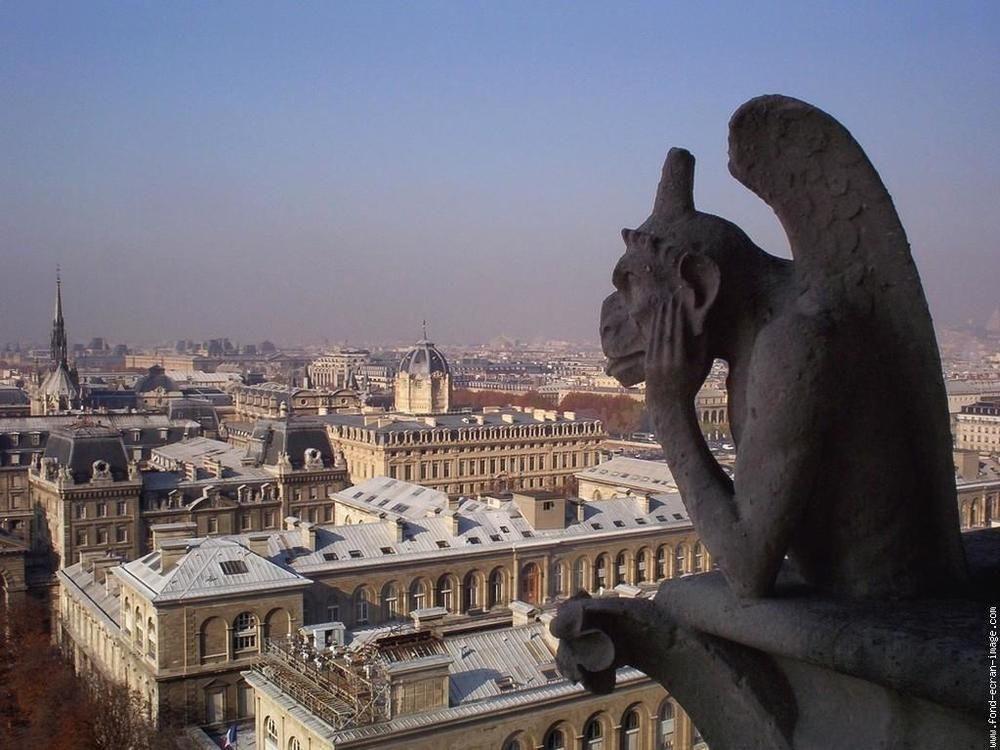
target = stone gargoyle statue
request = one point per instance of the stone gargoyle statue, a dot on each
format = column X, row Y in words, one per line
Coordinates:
column 844, row 476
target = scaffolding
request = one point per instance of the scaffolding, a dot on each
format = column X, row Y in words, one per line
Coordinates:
column 343, row 688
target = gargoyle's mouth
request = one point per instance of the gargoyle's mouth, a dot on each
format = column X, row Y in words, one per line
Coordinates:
column 628, row 369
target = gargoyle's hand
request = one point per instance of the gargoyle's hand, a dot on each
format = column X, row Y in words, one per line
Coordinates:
column 596, row 636
column 677, row 360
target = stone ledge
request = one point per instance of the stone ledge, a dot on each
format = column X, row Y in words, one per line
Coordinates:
column 931, row 649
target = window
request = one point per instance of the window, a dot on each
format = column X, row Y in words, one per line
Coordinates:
column 294, row 744
column 593, row 735
column 418, row 594
column 150, row 638
column 245, row 632
column 665, row 727
column 680, row 561
column 213, row 525
column 102, row 535
column 244, row 700
column 361, row 601
column 661, row 563
column 333, row 613
column 80, row 511
column 699, row 558
column 270, row 734
column 548, row 505
column 640, row 566
column 580, row 575
column 630, row 731
column 122, row 508
column 620, row 568
column 600, row 573
column 555, row 740
column 495, row 588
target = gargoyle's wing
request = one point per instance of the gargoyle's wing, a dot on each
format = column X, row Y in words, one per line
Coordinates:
column 844, row 233
column 853, row 262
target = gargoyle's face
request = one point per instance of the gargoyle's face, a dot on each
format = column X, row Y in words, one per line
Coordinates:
column 627, row 315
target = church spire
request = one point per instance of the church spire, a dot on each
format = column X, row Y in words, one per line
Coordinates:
column 57, row 344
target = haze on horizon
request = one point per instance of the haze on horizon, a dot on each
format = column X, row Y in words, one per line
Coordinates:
column 341, row 171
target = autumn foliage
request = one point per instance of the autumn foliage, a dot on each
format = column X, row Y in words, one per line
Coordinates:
column 44, row 704
column 621, row 415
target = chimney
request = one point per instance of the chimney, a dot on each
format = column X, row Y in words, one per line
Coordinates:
column 165, row 531
column 308, row 531
column 102, row 566
column 581, row 511
column 645, row 503
column 452, row 519
column 88, row 558
column 190, row 472
column 453, row 501
column 171, row 551
column 258, row 544
column 214, row 467
column 291, row 522
column 400, row 529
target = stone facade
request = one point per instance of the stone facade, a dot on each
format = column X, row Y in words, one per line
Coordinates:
column 423, row 381
column 468, row 453
column 276, row 400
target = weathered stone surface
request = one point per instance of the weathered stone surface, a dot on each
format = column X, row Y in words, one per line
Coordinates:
column 844, row 478
column 836, row 398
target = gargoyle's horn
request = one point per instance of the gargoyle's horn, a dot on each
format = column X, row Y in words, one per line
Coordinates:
column 675, row 194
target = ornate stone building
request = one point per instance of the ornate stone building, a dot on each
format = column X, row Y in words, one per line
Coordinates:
column 276, row 400
column 182, row 622
column 338, row 369
column 423, row 381
column 472, row 452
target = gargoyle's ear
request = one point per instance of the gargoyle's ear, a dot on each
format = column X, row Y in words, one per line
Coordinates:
column 675, row 193
column 701, row 275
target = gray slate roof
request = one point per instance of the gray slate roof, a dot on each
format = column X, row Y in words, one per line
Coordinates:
column 199, row 573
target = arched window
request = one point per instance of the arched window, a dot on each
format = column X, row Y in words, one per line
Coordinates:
column 554, row 740
column 150, row 638
column 128, row 616
column 621, row 568
column 513, row 744
column 245, row 632
column 390, row 601
column 662, row 555
column 418, row 594
column 496, row 588
column 361, row 602
column 601, row 572
column 562, row 579
column 680, row 561
column 580, row 575
column 699, row 558
column 443, row 593
column 593, row 735
column 294, row 744
column 470, row 591
column 630, row 730
column 665, row 726
column 641, row 563
column 138, row 627
column 270, row 734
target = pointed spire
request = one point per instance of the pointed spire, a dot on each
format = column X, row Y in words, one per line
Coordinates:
column 424, row 324
column 57, row 343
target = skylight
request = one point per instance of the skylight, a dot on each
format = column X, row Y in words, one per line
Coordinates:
column 233, row 567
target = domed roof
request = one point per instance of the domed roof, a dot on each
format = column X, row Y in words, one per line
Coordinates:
column 154, row 378
column 424, row 359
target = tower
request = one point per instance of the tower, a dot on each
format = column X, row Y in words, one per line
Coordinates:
column 60, row 391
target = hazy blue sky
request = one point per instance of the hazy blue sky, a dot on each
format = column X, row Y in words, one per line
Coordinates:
column 308, row 170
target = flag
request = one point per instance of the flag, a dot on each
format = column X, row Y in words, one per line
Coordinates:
column 229, row 741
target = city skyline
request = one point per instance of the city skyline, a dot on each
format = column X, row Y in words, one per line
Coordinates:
column 344, row 172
